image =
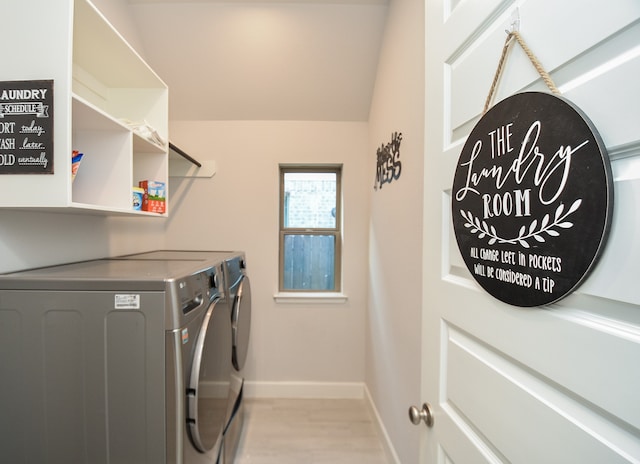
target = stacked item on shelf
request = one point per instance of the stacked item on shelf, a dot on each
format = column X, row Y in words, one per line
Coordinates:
column 154, row 197
column 146, row 131
column 138, row 198
column 76, row 158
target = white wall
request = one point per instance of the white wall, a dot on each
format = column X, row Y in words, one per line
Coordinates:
column 33, row 239
column 393, row 343
column 237, row 209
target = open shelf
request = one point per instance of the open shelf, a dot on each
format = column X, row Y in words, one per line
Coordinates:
column 100, row 84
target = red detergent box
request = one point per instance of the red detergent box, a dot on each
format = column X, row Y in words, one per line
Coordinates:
column 155, row 195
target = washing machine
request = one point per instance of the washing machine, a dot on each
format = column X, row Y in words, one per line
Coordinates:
column 124, row 360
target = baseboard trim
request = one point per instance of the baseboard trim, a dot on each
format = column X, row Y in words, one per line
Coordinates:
column 321, row 390
column 389, row 450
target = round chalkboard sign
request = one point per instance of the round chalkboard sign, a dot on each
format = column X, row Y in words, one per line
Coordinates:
column 532, row 199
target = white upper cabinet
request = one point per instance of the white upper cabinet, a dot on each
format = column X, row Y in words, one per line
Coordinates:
column 103, row 93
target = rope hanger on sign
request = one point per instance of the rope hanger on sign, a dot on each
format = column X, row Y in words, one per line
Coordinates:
column 514, row 34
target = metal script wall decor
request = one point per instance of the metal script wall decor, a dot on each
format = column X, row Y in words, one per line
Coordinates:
column 532, row 199
column 388, row 167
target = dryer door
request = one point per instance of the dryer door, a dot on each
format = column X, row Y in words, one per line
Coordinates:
column 208, row 392
column 241, row 322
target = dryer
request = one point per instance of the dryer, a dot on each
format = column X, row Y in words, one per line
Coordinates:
column 238, row 290
column 116, row 360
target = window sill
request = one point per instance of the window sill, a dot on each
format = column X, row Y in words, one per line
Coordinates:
column 310, row 297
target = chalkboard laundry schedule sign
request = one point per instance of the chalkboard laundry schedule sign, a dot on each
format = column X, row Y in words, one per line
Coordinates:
column 532, row 199
column 26, row 127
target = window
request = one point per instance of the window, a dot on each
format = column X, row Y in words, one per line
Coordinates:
column 310, row 228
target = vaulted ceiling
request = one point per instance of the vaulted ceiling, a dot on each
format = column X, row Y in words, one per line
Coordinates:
column 312, row 60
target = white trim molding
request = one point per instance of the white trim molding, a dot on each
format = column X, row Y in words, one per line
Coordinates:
column 323, row 390
column 389, row 450
column 310, row 297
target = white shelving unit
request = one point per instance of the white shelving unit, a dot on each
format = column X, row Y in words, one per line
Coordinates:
column 99, row 84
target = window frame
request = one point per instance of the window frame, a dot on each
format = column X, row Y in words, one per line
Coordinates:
column 335, row 232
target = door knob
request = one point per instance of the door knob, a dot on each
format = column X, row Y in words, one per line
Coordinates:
column 425, row 414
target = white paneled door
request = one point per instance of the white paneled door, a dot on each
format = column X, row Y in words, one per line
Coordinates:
column 553, row 384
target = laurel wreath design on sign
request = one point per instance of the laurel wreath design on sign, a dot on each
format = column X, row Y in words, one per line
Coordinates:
column 534, row 231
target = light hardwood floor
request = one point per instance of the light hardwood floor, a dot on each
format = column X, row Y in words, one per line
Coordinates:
column 301, row 431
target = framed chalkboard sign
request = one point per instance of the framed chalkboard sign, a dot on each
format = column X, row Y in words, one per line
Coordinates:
column 532, row 199
column 26, row 127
